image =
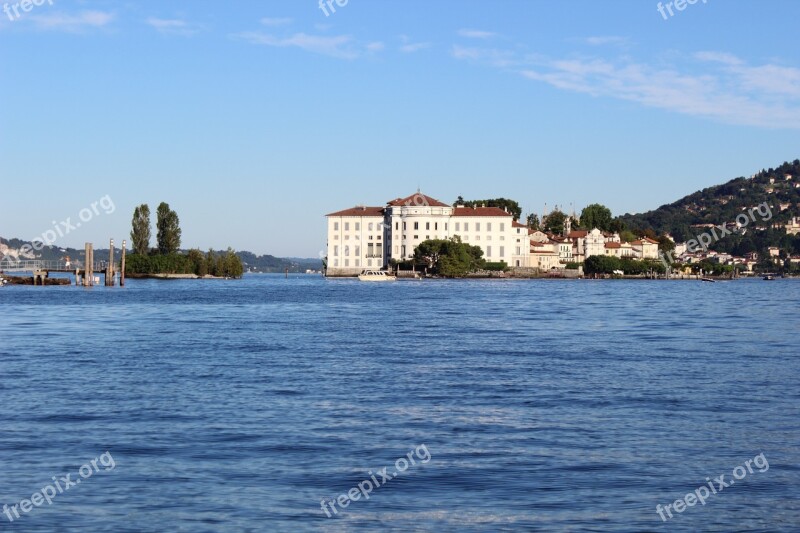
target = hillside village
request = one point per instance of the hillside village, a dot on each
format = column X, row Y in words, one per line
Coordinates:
column 745, row 226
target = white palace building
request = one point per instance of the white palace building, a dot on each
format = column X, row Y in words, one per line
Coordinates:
column 370, row 237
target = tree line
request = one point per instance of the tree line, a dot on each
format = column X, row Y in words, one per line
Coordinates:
column 166, row 257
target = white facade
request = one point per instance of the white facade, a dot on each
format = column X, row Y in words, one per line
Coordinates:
column 363, row 237
column 356, row 240
column 594, row 243
column 646, row 248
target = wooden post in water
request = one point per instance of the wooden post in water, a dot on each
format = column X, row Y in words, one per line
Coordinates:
column 110, row 266
column 87, row 257
column 122, row 267
column 91, row 265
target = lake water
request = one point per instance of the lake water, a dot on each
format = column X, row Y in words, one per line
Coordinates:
column 524, row 405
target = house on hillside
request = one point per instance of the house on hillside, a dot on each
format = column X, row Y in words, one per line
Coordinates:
column 646, row 248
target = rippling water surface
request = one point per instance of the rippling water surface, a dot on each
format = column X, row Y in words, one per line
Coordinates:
column 543, row 405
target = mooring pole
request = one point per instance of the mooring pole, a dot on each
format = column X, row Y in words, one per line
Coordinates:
column 91, row 265
column 87, row 257
column 122, row 266
column 110, row 267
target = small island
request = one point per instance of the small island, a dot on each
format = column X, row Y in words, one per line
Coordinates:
column 166, row 261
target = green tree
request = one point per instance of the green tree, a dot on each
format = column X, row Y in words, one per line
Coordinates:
column 554, row 222
column 596, row 216
column 198, row 261
column 449, row 258
column 533, row 221
column 233, row 265
column 601, row 264
column 169, row 230
column 140, row 231
column 665, row 244
column 427, row 254
column 627, row 236
column 211, row 263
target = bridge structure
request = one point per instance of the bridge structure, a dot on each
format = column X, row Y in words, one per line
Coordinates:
column 10, row 266
column 84, row 271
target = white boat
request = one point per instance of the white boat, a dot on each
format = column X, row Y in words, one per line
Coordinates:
column 376, row 275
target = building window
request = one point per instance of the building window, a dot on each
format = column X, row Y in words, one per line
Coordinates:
column 466, row 226
column 445, row 226
column 369, row 262
column 519, row 251
column 358, row 228
column 488, row 226
column 488, row 237
column 416, row 225
column 370, row 250
column 404, row 226
column 358, row 251
column 477, row 237
column 358, row 262
column 347, row 262
column 428, row 225
column 369, row 227
column 347, row 237
column 416, row 237
column 436, row 226
column 347, row 226
column 335, row 250
column 477, row 226
column 503, row 227
column 458, row 226
column 335, row 237
column 346, row 251
column 488, row 251
column 404, row 250
column 397, row 226
column 427, row 237
column 379, row 237
column 335, row 226
column 336, row 262
column 396, row 250
column 502, row 251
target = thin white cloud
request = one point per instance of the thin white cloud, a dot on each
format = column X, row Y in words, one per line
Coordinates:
column 409, row 47
column 173, row 26
column 269, row 21
column 73, row 22
column 606, row 40
column 340, row 46
column 772, row 79
column 375, row 47
column 476, row 34
column 494, row 57
column 713, row 85
column 718, row 57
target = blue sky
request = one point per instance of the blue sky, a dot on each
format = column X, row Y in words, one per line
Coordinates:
column 255, row 118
